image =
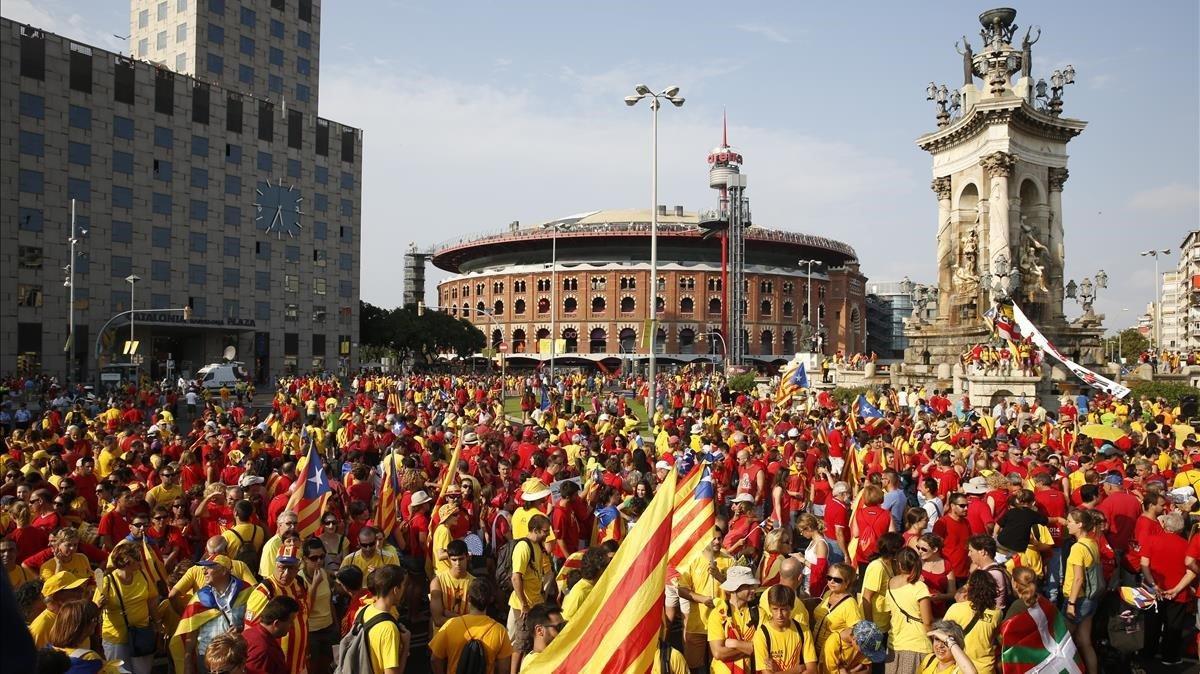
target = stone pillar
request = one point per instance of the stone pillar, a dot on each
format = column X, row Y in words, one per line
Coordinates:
column 1057, row 177
column 945, row 248
column 999, row 167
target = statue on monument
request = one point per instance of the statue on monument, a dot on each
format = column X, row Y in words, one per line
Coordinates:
column 1029, row 261
column 1027, row 51
column 968, row 56
column 966, row 276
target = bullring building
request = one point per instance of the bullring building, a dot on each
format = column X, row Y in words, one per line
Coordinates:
column 202, row 177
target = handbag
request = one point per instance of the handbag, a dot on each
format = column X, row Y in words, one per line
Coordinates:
column 143, row 640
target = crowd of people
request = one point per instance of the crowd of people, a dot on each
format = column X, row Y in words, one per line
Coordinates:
column 1003, row 359
column 930, row 538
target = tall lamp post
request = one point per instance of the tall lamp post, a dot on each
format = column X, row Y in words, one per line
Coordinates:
column 554, row 227
column 421, row 307
column 1157, row 332
column 77, row 234
column 808, row 298
column 132, row 280
column 671, row 94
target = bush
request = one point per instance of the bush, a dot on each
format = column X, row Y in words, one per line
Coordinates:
column 743, row 383
column 845, row 396
column 1172, row 391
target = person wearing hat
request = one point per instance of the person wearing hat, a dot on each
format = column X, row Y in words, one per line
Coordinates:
column 1121, row 510
column 745, row 536
column 535, row 496
column 59, row 589
column 979, row 513
column 448, row 516
column 217, row 607
column 284, row 582
column 781, row 642
column 730, row 625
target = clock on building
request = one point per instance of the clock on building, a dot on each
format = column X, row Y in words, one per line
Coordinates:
column 278, row 208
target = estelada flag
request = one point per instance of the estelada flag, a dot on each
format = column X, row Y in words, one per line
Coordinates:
column 1037, row 640
column 202, row 608
column 309, row 492
column 694, row 522
column 616, row 630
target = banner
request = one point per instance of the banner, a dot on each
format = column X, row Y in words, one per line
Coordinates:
column 1027, row 329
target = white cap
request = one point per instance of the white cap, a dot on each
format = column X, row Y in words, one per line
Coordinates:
column 662, row 465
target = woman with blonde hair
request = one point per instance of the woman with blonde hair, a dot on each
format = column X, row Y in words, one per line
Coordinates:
column 129, row 604
column 819, row 555
column 29, row 539
column 72, row 634
column 777, row 546
column 64, row 545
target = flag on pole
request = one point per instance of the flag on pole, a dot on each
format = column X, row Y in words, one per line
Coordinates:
column 695, row 520
column 871, row 415
column 617, row 628
column 310, row 492
column 1038, row 641
column 794, row 379
column 387, row 510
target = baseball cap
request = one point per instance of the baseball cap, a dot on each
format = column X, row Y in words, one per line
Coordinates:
column 63, row 580
column 219, row 560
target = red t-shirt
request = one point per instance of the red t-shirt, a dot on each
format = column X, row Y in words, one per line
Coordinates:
column 1122, row 510
column 263, row 654
column 1052, row 503
column 114, row 525
column 837, row 514
column 979, row 515
column 1166, row 552
column 748, row 480
column 955, row 534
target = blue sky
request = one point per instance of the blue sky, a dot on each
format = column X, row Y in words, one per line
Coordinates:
column 477, row 114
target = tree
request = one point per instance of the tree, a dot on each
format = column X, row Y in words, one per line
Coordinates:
column 422, row 337
column 1131, row 343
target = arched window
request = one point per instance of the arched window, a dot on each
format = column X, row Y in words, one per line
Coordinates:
column 789, row 342
column 765, row 286
column 766, row 343
column 466, row 310
column 571, row 337
column 498, row 307
column 570, row 305
column 714, row 306
column 660, row 304
column 518, row 342
column 764, row 309
column 480, row 308
column 628, row 305
column 519, row 307
column 497, row 338
column 541, row 334
column 543, row 306
column 687, row 305
column 687, row 340
column 598, row 305
column 628, row 340
column 660, row 341
column 788, row 309
column 599, row 341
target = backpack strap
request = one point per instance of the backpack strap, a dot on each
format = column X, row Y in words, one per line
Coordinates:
column 974, row 619
column 907, row 616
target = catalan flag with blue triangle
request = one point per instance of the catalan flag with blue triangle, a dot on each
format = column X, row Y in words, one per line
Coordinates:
column 793, row 380
column 694, row 520
column 871, row 415
column 310, row 492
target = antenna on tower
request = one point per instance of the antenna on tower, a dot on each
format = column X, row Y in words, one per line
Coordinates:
column 724, row 128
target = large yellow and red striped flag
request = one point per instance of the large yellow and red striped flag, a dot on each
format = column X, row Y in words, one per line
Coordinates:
column 388, row 507
column 616, row 630
column 309, row 492
column 451, row 472
column 694, row 521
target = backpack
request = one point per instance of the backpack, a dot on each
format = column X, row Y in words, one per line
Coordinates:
column 504, row 569
column 868, row 539
column 82, row 665
column 833, row 553
column 1006, row 591
column 247, row 553
column 473, row 657
column 354, row 650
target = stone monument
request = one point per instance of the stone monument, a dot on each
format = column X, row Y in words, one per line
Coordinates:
column 999, row 166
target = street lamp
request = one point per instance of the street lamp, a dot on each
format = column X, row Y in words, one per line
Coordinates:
column 1156, row 333
column 554, row 227
column 808, row 322
column 132, row 280
column 671, row 94
column 77, row 235
column 421, row 307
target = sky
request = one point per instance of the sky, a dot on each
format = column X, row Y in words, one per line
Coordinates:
column 477, row 114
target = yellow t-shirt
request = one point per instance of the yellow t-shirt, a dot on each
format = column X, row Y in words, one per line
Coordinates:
column 876, row 579
column 532, row 564
column 252, row 534
column 908, row 633
column 1084, row 553
column 441, row 540
column 78, row 566
column 381, row 558
column 696, row 577
column 799, row 611
column 1031, row 558
column 41, row 626
column 454, row 591
column 575, row 597
column 520, row 521
column 270, row 551
column 829, row 620
column 980, row 643
column 384, row 640
column 161, row 494
column 193, row 578
column 19, row 575
column 788, row 647
column 136, row 595
column 320, row 608
column 449, row 641
column 930, row 666
column 727, row 622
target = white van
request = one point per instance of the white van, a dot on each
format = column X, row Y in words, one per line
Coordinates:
column 216, row 375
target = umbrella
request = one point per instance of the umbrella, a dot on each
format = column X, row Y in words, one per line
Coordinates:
column 1102, row 432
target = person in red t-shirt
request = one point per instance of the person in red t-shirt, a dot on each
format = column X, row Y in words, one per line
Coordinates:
column 751, row 477
column 1163, row 564
column 1122, row 511
column 955, row 532
column 114, row 524
column 837, row 517
column 979, row 514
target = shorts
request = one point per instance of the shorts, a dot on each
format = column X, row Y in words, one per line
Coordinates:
column 1084, row 609
column 519, row 632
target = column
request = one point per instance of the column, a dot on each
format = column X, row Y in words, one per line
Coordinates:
column 945, row 248
column 1057, row 177
column 999, row 167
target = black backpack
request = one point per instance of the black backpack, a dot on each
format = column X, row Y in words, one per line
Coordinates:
column 504, row 568
column 473, row 658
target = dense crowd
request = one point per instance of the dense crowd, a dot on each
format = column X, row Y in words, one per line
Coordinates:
column 140, row 536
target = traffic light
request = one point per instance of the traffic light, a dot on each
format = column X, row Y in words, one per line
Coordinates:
column 420, row 308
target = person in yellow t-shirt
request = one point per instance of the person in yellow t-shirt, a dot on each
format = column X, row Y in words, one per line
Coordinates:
column 65, row 543
column 790, row 575
column 530, row 568
column 447, row 645
column 730, row 626
column 699, row 582
column 61, row 588
column 387, row 639
column 243, row 532
column 875, row 580
column 839, row 609
column 854, row 649
column 126, row 599
column 948, row 656
column 593, row 563
column 369, row 555
column 448, row 589
column 979, row 619
column 781, row 643
column 448, row 515
column 911, row 609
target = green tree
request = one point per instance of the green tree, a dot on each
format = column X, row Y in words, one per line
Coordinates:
column 422, row 337
column 1131, row 344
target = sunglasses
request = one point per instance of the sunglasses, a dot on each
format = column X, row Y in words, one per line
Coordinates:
column 924, row 550
column 137, row 525
column 835, row 579
column 330, row 523
column 316, row 558
column 961, row 504
column 366, row 545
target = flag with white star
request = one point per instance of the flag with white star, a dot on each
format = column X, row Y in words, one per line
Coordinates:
column 310, row 493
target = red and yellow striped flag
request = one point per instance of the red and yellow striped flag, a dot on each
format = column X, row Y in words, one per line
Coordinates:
column 694, row 521
column 309, row 492
column 387, row 510
column 616, row 630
